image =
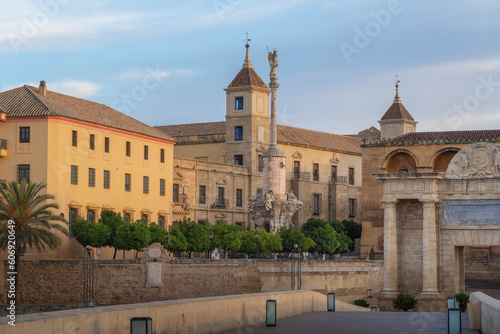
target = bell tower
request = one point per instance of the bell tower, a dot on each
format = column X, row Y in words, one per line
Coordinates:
column 247, row 118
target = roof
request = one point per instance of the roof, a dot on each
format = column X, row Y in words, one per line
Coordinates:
column 247, row 77
column 25, row 101
column 286, row 134
column 194, row 129
column 397, row 111
column 441, row 137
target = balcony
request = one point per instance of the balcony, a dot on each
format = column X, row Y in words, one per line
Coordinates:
column 339, row 179
column 3, row 148
column 304, row 176
column 222, row 203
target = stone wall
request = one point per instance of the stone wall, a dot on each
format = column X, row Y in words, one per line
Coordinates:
column 60, row 282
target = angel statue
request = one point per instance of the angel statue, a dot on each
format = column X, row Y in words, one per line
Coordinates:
column 273, row 62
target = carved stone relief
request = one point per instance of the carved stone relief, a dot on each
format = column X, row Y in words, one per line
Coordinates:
column 478, row 160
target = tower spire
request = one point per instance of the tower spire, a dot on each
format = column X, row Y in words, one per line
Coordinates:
column 396, row 98
column 248, row 62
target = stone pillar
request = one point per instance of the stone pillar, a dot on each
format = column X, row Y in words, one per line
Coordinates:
column 390, row 248
column 429, row 249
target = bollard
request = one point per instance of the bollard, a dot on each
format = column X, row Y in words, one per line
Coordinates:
column 454, row 325
column 142, row 325
column 271, row 313
column 331, row 302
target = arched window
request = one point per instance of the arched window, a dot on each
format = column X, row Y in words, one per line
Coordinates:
column 91, row 216
column 443, row 160
column 126, row 217
column 144, row 219
column 161, row 221
column 401, row 162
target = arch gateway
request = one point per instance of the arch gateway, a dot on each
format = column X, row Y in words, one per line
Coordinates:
column 430, row 218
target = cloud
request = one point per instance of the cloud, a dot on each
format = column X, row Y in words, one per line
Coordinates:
column 140, row 74
column 80, row 89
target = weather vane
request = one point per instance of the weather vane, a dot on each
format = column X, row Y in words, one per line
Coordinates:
column 247, row 39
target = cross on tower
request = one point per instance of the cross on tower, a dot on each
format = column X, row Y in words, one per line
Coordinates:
column 247, row 39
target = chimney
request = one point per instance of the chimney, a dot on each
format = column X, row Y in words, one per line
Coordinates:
column 43, row 88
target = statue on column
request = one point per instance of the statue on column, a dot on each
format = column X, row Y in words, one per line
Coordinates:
column 273, row 62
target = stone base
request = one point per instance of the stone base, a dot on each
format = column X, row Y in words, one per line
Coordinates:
column 426, row 303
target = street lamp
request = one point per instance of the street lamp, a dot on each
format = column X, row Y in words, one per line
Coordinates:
column 211, row 236
column 167, row 237
column 256, row 235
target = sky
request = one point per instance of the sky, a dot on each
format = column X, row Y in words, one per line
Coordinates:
column 338, row 60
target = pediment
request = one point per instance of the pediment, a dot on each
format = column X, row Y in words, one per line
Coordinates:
column 260, row 149
column 221, row 215
column 334, row 159
column 178, row 175
column 297, row 155
column 221, row 182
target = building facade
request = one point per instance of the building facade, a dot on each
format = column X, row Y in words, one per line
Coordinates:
column 90, row 156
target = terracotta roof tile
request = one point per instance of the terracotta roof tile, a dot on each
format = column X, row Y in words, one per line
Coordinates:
column 397, row 111
column 286, row 134
column 247, row 77
column 27, row 102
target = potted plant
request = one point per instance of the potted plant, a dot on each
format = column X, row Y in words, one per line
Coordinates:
column 405, row 302
column 462, row 299
column 361, row 302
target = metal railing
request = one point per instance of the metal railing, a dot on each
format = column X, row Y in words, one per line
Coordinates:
column 339, row 179
column 304, row 176
column 221, row 203
column 3, row 144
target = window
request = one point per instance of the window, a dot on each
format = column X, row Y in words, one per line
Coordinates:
column 239, row 198
column 74, row 174
column 127, row 149
column 162, row 187
column 24, row 134
column 91, row 216
column 126, row 217
column 146, row 152
column 145, row 184
column 220, row 196
column 92, row 142
column 106, row 144
column 352, row 207
column 238, row 133
column 238, row 159
column 351, row 176
column 162, row 155
column 128, row 182
column 74, row 139
column 240, row 224
column 202, row 193
column 260, row 163
column 91, row 177
column 296, row 169
column 315, row 172
column 73, row 213
column 107, row 179
column 23, row 173
column 334, row 174
column 175, row 194
column 161, row 221
column 238, row 103
column 144, row 219
column 316, row 204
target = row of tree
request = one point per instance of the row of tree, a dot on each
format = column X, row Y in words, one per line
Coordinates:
column 190, row 237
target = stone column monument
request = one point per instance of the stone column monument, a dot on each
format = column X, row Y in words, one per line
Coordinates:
column 273, row 208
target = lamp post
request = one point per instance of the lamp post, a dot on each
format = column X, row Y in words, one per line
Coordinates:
column 256, row 235
column 211, row 236
column 167, row 237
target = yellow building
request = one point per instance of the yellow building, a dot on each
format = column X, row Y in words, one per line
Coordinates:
column 90, row 156
column 323, row 169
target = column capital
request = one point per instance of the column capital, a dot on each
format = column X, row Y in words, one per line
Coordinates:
column 389, row 201
column 428, row 201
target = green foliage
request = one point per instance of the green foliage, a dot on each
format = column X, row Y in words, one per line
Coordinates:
column 32, row 213
column 361, row 302
column 196, row 235
column 133, row 236
column 352, row 229
column 404, row 301
column 462, row 299
column 269, row 242
column 114, row 221
column 227, row 237
column 89, row 233
column 291, row 236
column 178, row 242
column 157, row 234
column 329, row 237
column 248, row 241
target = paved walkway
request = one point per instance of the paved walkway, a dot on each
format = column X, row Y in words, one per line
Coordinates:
column 360, row 323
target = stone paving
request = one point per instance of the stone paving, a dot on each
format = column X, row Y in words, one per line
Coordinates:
column 360, row 323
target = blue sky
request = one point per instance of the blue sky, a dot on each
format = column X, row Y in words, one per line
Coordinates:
column 337, row 59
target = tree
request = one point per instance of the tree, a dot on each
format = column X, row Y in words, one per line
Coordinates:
column 325, row 239
column 89, row 233
column 113, row 220
column 352, row 229
column 34, row 222
column 157, row 234
column 248, row 245
column 291, row 236
column 227, row 237
column 178, row 242
column 133, row 236
column 269, row 242
column 196, row 235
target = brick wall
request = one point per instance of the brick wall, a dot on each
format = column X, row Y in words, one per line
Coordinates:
column 60, row 282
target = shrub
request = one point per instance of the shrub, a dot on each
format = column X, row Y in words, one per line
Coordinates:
column 405, row 302
column 462, row 299
column 361, row 302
